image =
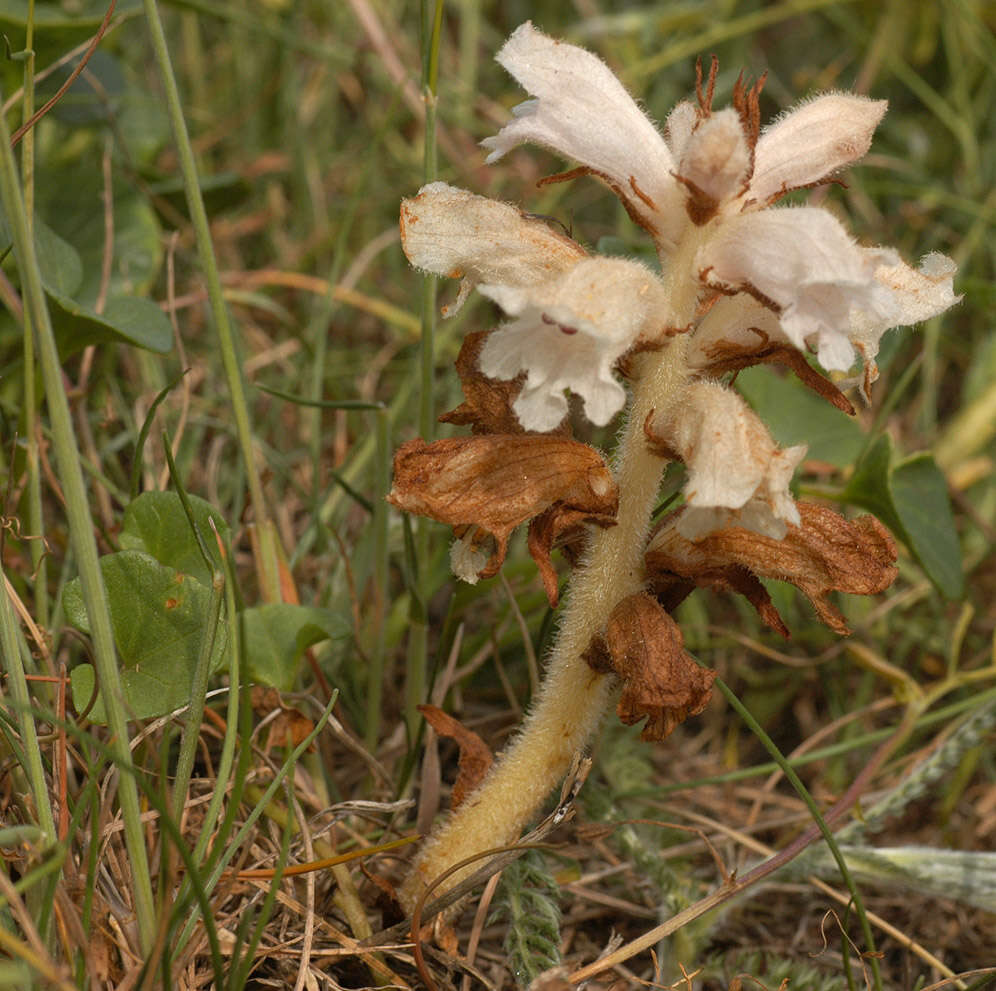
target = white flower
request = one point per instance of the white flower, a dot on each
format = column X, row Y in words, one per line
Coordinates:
column 827, row 292
column 575, row 316
column 450, row 232
column 737, row 475
column 719, row 171
column 582, row 111
column 568, row 334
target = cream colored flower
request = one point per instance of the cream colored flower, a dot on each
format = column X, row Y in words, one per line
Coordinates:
column 719, row 171
column 574, row 315
column 737, row 475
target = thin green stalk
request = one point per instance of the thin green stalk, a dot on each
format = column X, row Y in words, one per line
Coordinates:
column 202, row 670
column 375, row 675
column 219, row 314
column 35, row 514
column 17, row 685
column 198, row 693
column 418, row 647
column 256, row 812
column 81, row 532
column 803, row 792
column 235, row 713
column 239, row 975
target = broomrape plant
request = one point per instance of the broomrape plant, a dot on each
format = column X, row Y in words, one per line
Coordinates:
column 743, row 281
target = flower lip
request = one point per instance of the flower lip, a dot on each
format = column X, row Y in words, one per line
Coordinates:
column 568, row 334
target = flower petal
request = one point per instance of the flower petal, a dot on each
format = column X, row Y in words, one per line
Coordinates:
column 806, row 267
column 583, row 112
column 915, row 295
column 737, row 475
column 569, row 334
column 714, row 164
column 812, row 142
column 453, row 233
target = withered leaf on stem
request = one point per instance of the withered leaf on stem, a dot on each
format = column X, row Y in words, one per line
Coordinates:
column 487, row 405
column 825, row 553
column 494, row 482
column 661, row 682
column 475, row 757
column 726, row 357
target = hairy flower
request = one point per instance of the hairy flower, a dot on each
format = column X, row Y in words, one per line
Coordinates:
column 485, row 486
column 719, row 171
column 824, row 553
column 569, row 333
column 737, row 475
column 450, row 232
column 573, row 316
column 582, row 111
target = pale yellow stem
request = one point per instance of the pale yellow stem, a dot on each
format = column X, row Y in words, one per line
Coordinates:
column 573, row 699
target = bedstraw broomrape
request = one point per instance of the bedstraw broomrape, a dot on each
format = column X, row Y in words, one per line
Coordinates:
column 743, row 280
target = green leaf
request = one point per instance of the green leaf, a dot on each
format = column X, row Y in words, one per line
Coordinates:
column 93, row 96
column 278, row 633
column 86, row 14
column 138, row 242
column 125, row 320
column 60, row 264
column 155, row 522
column 159, row 617
column 795, row 415
column 911, row 497
column 920, row 494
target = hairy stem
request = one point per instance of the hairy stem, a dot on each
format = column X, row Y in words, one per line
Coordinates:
column 573, row 699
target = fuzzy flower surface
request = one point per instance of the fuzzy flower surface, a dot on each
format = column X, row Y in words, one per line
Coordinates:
column 719, row 172
column 573, row 316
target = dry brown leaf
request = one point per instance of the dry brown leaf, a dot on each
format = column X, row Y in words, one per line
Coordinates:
column 728, row 356
column 661, row 682
column 475, row 756
column 825, row 553
column 494, row 482
column 287, row 729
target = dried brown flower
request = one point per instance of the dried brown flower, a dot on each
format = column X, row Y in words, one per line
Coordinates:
column 485, row 486
column 825, row 553
column 661, row 682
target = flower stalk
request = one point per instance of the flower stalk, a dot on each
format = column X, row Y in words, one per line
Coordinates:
column 573, row 699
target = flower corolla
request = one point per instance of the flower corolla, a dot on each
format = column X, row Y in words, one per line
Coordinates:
column 574, row 316
column 718, row 171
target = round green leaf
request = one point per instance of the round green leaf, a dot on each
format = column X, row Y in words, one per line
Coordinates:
column 155, row 522
column 278, row 633
column 159, row 617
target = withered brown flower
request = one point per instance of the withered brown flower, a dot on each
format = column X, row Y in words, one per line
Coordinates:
column 825, row 553
column 485, row 486
column 661, row 682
